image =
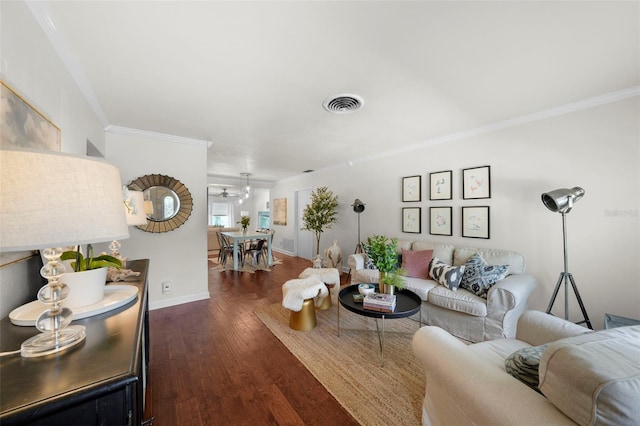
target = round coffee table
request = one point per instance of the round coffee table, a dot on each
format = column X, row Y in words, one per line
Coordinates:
column 407, row 304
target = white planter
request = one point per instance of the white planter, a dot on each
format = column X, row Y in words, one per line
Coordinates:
column 85, row 288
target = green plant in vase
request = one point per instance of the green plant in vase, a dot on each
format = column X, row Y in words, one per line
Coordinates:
column 244, row 222
column 87, row 282
column 383, row 252
column 90, row 262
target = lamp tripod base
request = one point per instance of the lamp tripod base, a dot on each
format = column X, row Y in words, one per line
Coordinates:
column 564, row 276
column 54, row 341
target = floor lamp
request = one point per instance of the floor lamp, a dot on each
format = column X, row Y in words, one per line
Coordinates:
column 561, row 201
column 358, row 207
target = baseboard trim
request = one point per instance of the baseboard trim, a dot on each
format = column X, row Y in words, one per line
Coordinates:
column 179, row 300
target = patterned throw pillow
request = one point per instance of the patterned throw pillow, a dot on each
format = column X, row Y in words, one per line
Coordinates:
column 479, row 276
column 524, row 363
column 447, row 275
column 368, row 263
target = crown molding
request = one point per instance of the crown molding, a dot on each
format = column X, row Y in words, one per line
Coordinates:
column 512, row 122
column 118, row 130
column 40, row 11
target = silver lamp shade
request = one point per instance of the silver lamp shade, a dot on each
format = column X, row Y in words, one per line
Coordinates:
column 561, row 200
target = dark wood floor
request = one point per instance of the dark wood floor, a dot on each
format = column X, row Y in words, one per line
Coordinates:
column 213, row 362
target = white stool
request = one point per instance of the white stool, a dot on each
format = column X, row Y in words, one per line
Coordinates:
column 330, row 277
column 298, row 297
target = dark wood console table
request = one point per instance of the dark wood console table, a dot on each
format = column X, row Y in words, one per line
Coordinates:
column 101, row 381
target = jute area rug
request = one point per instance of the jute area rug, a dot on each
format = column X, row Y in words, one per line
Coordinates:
column 349, row 368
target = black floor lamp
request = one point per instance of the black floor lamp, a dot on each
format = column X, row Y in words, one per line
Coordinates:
column 358, row 207
column 561, row 201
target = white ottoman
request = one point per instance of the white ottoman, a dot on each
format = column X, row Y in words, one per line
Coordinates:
column 330, row 277
column 298, row 297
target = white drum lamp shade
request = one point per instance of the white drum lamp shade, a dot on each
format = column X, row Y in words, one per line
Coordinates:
column 50, row 199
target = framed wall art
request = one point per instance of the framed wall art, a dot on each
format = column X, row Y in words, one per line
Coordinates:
column 475, row 222
column 412, row 188
column 280, row 211
column 23, row 125
column 411, row 219
column 440, row 185
column 476, row 183
column 440, row 221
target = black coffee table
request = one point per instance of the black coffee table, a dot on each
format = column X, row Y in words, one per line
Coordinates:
column 407, row 304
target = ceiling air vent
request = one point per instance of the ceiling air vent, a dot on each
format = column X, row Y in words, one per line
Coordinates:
column 343, row 103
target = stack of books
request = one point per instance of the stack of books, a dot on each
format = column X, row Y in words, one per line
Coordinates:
column 380, row 302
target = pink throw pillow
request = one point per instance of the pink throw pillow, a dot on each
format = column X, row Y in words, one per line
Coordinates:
column 416, row 263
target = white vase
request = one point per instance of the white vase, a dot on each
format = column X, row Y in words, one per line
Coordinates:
column 85, row 288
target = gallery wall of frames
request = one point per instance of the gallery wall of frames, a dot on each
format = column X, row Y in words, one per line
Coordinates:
column 475, row 218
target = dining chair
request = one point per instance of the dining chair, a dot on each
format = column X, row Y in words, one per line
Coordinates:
column 255, row 252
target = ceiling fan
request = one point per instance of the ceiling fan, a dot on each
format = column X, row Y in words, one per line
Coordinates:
column 226, row 194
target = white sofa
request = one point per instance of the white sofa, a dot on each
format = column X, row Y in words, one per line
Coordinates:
column 585, row 377
column 461, row 312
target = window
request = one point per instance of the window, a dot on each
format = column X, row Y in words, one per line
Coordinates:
column 220, row 213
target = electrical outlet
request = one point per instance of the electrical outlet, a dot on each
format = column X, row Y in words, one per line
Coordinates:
column 166, row 287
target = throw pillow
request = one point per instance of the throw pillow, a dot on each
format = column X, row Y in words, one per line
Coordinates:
column 523, row 364
column 479, row 276
column 368, row 263
column 447, row 275
column 416, row 263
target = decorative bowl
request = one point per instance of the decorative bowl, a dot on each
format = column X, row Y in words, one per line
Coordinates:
column 365, row 289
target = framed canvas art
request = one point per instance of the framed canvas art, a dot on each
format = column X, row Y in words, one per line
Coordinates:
column 440, row 221
column 440, row 185
column 411, row 188
column 476, row 183
column 411, row 219
column 280, row 211
column 475, row 222
column 22, row 125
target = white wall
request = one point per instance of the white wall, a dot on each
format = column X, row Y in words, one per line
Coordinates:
column 178, row 256
column 597, row 149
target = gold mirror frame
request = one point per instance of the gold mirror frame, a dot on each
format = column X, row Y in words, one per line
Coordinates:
column 186, row 201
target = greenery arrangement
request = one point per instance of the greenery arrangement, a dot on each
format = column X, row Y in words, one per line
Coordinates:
column 383, row 252
column 244, row 222
column 86, row 264
column 321, row 213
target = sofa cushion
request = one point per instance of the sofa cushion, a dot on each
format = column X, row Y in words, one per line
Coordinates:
column 444, row 252
column 479, row 276
column 459, row 301
column 492, row 257
column 447, row 275
column 420, row 287
column 416, row 263
column 594, row 378
column 523, row 365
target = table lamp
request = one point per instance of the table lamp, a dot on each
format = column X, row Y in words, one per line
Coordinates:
column 51, row 200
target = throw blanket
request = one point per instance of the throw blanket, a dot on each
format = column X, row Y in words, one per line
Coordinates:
column 295, row 292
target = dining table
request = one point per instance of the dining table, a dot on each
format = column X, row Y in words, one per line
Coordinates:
column 240, row 236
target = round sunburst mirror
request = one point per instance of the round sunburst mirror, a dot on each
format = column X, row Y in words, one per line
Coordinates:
column 168, row 203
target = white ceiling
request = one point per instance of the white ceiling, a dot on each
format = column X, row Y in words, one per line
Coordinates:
column 251, row 76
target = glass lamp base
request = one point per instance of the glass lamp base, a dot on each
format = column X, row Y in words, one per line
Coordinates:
column 52, row 342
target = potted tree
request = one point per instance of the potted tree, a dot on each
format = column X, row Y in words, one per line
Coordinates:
column 383, row 252
column 320, row 214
